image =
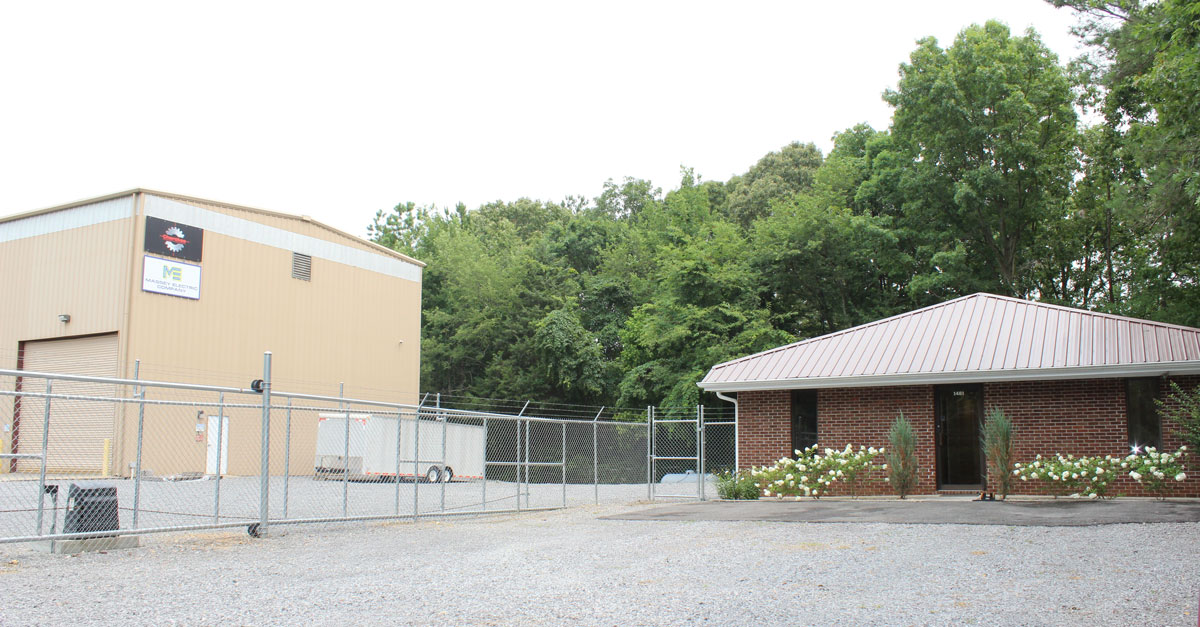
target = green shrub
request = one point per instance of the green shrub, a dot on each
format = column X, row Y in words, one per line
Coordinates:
column 902, row 457
column 997, row 439
column 1183, row 408
column 737, row 486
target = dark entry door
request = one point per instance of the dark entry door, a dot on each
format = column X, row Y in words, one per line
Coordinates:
column 960, row 460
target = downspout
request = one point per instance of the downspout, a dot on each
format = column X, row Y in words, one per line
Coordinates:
column 736, row 450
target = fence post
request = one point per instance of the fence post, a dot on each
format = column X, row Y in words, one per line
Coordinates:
column 444, row 476
column 45, row 454
column 563, row 460
column 485, row 462
column 649, row 453
column 416, row 462
column 264, row 490
column 345, row 451
column 137, row 477
column 596, row 458
column 518, row 466
column 700, row 448
column 287, row 456
column 528, row 427
column 399, row 429
column 220, row 434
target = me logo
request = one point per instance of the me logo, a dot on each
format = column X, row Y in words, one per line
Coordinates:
column 175, row 273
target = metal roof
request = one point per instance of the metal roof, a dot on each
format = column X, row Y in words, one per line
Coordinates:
column 981, row 337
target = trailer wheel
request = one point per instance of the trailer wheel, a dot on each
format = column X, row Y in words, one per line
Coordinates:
column 433, row 474
column 448, row 474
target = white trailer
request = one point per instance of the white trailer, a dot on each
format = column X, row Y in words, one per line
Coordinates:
column 374, row 443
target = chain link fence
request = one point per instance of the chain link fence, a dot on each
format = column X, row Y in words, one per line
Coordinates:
column 98, row 457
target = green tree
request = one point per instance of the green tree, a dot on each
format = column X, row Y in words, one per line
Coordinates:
column 705, row 311
column 778, row 175
column 823, row 268
column 988, row 129
column 1143, row 75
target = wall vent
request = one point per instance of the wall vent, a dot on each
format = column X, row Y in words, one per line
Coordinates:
column 301, row 266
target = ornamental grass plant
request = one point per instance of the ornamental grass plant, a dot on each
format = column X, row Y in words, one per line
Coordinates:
column 901, row 457
column 997, row 440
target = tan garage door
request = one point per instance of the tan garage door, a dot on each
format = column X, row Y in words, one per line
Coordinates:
column 78, row 428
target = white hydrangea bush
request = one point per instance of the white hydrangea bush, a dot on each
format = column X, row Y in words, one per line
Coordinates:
column 814, row 471
column 1156, row 471
column 1092, row 477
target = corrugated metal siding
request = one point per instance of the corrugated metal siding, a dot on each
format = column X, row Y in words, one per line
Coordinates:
column 83, row 272
column 78, row 428
column 977, row 333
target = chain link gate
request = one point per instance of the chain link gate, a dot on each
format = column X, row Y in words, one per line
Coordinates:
column 679, row 449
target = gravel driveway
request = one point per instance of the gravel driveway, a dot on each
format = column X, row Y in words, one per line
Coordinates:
column 570, row 566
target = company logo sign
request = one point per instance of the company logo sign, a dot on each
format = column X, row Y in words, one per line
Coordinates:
column 170, row 277
column 173, row 239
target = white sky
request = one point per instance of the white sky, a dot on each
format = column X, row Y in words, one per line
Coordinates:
column 336, row 110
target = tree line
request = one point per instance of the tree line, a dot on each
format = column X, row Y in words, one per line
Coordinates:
column 1004, row 170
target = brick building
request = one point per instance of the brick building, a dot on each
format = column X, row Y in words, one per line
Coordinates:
column 1072, row 382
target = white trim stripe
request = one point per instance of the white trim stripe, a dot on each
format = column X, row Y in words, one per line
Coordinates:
column 74, row 218
column 215, row 222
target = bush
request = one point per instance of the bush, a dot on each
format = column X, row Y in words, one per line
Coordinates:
column 813, row 474
column 1183, row 408
column 738, row 485
column 997, row 439
column 1091, row 476
column 1083, row 476
column 1154, row 470
column 902, row 458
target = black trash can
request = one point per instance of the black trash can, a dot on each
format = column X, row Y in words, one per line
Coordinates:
column 91, row 506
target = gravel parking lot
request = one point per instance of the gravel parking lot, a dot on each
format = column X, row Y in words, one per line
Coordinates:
column 571, row 566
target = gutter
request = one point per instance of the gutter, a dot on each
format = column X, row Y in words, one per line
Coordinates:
column 736, row 450
column 979, row 376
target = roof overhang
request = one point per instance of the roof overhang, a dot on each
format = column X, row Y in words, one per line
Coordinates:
column 977, row 376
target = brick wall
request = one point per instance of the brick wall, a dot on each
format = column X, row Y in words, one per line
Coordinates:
column 863, row 416
column 764, row 427
column 1079, row 417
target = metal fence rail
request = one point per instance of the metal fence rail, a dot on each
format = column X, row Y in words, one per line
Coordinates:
column 97, row 457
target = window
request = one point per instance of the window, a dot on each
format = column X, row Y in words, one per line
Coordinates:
column 804, row 419
column 301, row 267
column 1145, row 427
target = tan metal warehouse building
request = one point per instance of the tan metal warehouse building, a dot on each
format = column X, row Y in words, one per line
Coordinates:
column 195, row 291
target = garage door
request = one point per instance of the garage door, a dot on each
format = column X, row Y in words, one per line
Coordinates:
column 78, row 428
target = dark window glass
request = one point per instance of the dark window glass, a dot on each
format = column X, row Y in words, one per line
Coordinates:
column 804, row 419
column 1145, row 428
